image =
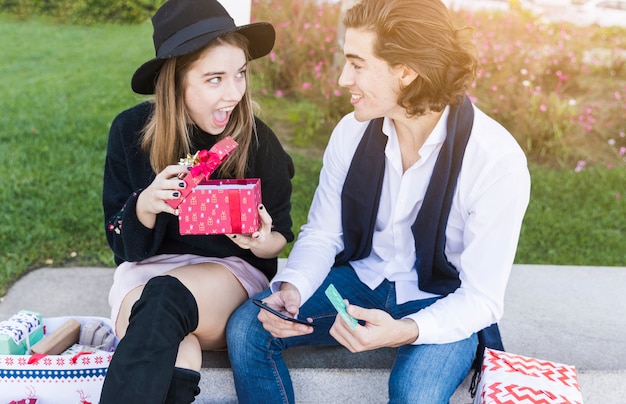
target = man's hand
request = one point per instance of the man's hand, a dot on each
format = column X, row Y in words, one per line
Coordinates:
column 287, row 301
column 380, row 330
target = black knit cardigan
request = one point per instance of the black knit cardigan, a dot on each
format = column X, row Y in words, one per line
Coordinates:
column 127, row 172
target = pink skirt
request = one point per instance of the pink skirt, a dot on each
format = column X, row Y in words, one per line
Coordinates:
column 129, row 275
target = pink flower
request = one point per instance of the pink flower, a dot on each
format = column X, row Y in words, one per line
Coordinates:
column 622, row 151
column 306, row 85
column 543, row 108
column 279, row 93
column 580, row 165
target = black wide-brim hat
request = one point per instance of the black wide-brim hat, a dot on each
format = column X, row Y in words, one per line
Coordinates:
column 184, row 26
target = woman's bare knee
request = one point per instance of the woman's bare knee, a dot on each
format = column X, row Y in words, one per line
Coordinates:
column 218, row 293
column 121, row 323
column 189, row 354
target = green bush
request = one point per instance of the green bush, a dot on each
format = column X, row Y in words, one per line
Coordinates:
column 85, row 12
column 542, row 82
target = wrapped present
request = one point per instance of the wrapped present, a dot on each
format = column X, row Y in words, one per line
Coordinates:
column 509, row 378
column 58, row 341
column 96, row 334
column 20, row 332
column 202, row 165
column 221, row 207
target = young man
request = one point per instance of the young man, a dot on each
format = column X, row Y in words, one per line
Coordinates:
column 415, row 220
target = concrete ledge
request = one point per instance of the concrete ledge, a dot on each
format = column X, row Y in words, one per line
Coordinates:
column 569, row 314
column 319, row 375
column 318, row 386
column 313, row 357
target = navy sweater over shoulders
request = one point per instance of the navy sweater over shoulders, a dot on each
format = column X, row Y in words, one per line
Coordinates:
column 127, row 172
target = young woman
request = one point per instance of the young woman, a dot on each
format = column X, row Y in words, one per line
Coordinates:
column 172, row 295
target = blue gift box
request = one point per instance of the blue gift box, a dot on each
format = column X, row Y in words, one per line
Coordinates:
column 20, row 332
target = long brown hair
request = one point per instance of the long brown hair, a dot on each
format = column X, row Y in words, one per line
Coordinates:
column 420, row 34
column 166, row 135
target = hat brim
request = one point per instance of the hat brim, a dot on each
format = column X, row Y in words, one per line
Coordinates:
column 260, row 35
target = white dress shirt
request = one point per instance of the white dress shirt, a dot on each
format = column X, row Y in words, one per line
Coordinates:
column 481, row 236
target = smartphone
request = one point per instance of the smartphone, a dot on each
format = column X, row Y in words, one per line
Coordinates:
column 279, row 314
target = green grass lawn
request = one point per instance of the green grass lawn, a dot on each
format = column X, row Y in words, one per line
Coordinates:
column 62, row 85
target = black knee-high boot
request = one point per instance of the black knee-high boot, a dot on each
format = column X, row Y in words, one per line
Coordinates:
column 143, row 363
column 184, row 387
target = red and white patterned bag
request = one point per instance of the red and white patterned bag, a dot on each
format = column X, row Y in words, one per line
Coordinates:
column 512, row 379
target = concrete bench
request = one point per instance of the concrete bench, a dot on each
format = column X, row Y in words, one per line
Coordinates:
column 568, row 314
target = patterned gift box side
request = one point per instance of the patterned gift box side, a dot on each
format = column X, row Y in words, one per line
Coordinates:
column 221, row 207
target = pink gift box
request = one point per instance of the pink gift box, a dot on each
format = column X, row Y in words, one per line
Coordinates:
column 221, row 207
column 507, row 378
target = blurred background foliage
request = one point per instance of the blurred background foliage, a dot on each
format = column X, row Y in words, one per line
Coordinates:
column 560, row 89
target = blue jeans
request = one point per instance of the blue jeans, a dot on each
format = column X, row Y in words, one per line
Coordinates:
column 420, row 374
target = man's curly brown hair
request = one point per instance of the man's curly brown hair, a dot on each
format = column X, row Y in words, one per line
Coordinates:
column 421, row 35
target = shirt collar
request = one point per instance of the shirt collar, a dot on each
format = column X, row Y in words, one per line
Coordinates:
column 437, row 136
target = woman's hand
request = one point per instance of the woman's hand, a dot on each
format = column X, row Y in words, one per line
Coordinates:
column 152, row 200
column 263, row 243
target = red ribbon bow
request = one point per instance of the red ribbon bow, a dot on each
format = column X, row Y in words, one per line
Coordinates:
column 209, row 160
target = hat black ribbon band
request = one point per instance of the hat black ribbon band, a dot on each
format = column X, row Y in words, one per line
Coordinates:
column 193, row 31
